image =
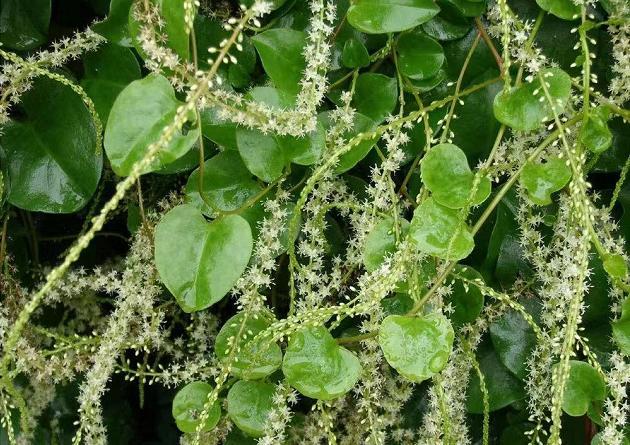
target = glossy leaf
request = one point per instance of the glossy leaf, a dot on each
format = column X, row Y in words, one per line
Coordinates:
column 107, row 72
column 595, row 134
column 384, row 16
column 317, row 366
column 138, row 117
column 466, row 299
column 375, row 96
column 615, row 265
column 541, row 180
column 437, row 231
column 188, row 405
column 419, row 56
column 448, row 25
column 227, row 184
column 521, row 107
column 200, row 261
column 254, row 360
column 468, row 8
column 446, row 173
column 24, row 24
column 281, row 53
column 380, row 242
column 503, row 388
column 416, row 347
column 261, row 153
column 53, row 163
column 514, row 339
column 564, row 9
column 583, row 386
column 355, row 54
column 173, row 14
column 115, row 27
column 249, row 405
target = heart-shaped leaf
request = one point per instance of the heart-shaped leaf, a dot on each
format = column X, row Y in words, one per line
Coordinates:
column 249, row 404
column 227, row 184
column 583, row 386
column 615, row 265
column 541, row 180
column 139, row 114
column 317, row 366
column 416, row 347
column 384, row 16
column 595, row 134
column 437, row 231
column 446, row 173
column 420, row 57
column 24, row 24
column 200, row 261
column 448, row 25
column 526, row 107
column 188, row 405
column 253, row 360
column 281, row 51
column 53, row 162
column 564, row 9
column 375, row 96
column 107, row 72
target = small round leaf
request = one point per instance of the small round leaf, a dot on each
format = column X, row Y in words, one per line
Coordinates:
column 416, row 347
column 420, row 56
column 564, row 9
column 541, row 180
column 583, row 386
column 254, row 360
column 380, row 242
column 188, row 404
column 384, row 16
column 446, row 174
column 249, row 405
column 437, row 230
column 317, row 366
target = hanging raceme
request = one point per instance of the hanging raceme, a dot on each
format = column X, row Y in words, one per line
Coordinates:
column 288, row 222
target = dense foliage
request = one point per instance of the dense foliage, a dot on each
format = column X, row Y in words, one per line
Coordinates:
column 322, row 221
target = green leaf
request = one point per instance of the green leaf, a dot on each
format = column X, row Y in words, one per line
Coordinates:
column 468, row 8
column 222, row 133
column 249, row 405
column 564, row 9
column 448, row 25
column 503, row 388
column 420, row 57
column 362, row 124
column 541, row 180
column 380, row 242
column 139, row 115
column 416, row 347
column 437, row 231
column 583, row 386
column 198, row 261
column 115, row 27
column 375, row 95
column 355, row 54
column 254, row 360
column 595, row 134
column 173, row 14
column 317, row 366
column 521, row 107
column 107, row 72
column 261, row 153
column 446, row 173
column 615, row 265
column 621, row 328
column 188, row 405
column 227, row 184
column 385, row 16
column 52, row 159
column 467, row 299
column 514, row 339
column 24, row 24
column 281, row 50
